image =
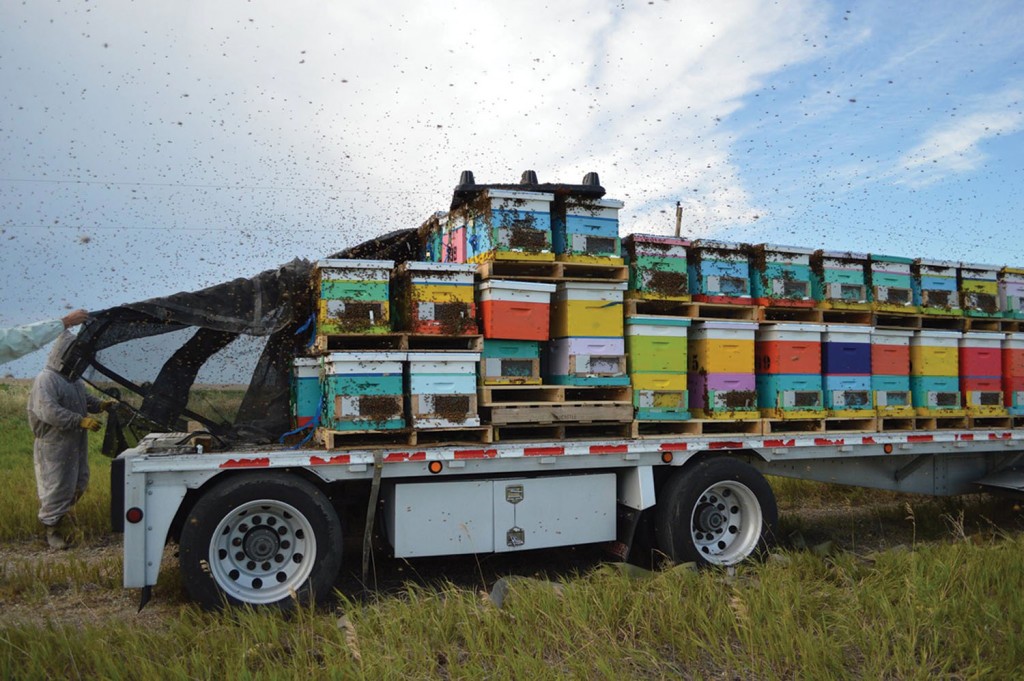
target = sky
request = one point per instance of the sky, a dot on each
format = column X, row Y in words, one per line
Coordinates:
column 149, row 148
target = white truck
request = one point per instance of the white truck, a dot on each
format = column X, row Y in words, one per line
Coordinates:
column 264, row 526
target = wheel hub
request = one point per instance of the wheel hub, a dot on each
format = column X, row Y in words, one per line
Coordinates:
column 261, row 543
column 710, row 519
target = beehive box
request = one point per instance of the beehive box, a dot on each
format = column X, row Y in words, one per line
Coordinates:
column 430, row 237
column 656, row 358
column 890, row 372
column 935, row 373
column 1011, row 292
column 353, row 296
column 508, row 225
column 454, row 238
column 587, row 309
column 780, row 276
column 840, row 280
column 979, row 290
column 788, row 366
column 442, row 389
column 657, row 267
column 515, row 310
column 435, row 298
column 846, row 370
column 363, row 391
column 306, row 392
column 720, row 375
column 1013, row 373
column 892, row 287
column 981, row 373
column 935, row 288
column 719, row 272
column 586, row 361
column 510, row 362
column 586, row 229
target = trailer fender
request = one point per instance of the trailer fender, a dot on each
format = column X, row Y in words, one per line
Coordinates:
column 151, row 503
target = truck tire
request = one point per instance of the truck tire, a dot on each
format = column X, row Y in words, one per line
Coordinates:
column 715, row 512
column 263, row 540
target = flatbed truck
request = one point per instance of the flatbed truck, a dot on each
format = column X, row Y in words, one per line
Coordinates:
column 265, row 526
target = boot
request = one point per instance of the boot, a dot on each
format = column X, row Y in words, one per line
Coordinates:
column 57, row 536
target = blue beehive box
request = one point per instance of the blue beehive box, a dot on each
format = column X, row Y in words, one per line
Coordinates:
column 363, row 391
column 935, row 288
column 719, row 272
column 780, row 276
column 585, row 229
column 846, row 370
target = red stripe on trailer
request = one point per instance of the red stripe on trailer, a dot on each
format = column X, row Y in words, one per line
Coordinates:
column 320, row 461
column 405, row 456
column 261, row 462
column 965, row 436
column 475, row 454
column 543, row 451
column 825, row 442
column 1000, row 436
column 673, row 447
column 725, row 445
column 920, row 438
column 779, row 443
column 868, row 440
column 609, row 449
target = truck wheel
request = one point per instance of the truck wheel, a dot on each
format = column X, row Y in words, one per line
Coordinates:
column 715, row 512
column 271, row 539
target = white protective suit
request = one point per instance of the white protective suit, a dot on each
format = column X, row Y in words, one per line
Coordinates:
column 56, row 407
column 21, row 340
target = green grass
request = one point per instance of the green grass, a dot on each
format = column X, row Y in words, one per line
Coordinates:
column 946, row 604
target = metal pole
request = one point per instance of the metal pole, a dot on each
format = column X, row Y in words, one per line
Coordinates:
column 679, row 217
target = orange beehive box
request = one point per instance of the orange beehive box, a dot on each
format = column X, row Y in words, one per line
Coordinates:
column 515, row 310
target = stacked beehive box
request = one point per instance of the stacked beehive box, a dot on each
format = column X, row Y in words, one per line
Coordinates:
column 503, row 224
column 979, row 290
column 788, row 363
column 846, row 370
column 442, row 389
column 353, row 296
column 841, row 280
column 719, row 272
column 935, row 289
column 436, row 298
column 720, row 376
column 516, row 319
column 586, row 229
column 890, row 372
column 891, row 283
column 657, row 267
column 587, row 344
column 935, row 373
column 780, row 276
column 656, row 351
column 363, row 391
column 1013, row 373
column 306, row 393
column 981, row 373
column 1011, row 292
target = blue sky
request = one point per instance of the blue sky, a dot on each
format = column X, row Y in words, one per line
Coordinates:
column 147, row 148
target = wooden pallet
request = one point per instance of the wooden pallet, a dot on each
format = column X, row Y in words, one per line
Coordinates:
column 940, row 422
column 771, row 426
column 895, row 423
column 772, row 313
column 528, row 270
column 644, row 430
column 692, row 310
column 1017, row 421
column 397, row 341
column 985, row 422
column 345, row 439
column 983, row 324
column 558, row 432
column 556, row 413
column 855, row 425
column 532, row 394
column 725, row 427
column 452, row 436
column 835, row 316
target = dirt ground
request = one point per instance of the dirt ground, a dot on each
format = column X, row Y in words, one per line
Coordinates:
column 892, row 523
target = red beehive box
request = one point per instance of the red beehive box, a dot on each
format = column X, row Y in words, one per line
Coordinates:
column 515, row 310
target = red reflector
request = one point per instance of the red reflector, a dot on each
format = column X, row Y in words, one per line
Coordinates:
column 133, row 514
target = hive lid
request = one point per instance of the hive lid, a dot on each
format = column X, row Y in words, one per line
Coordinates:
column 445, row 356
column 511, row 285
column 592, row 286
column 657, row 320
column 388, row 356
column 441, row 267
column 355, row 264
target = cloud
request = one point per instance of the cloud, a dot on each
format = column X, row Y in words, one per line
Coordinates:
column 957, row 146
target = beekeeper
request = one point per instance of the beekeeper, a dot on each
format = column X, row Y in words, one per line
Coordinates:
column 58, row 413
column 21, row 340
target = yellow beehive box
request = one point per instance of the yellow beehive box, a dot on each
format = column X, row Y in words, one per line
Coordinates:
column 587, row 309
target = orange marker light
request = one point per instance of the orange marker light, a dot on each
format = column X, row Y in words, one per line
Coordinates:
column 666, row 457
column 887, row 449
column 434, row 467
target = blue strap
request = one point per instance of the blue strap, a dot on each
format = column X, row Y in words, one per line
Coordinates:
column 310, row 323
column 312, row 425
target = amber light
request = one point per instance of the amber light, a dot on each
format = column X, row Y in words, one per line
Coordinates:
column 666, row 457
column 434, row 467
column 887, row 449
column 133, row 515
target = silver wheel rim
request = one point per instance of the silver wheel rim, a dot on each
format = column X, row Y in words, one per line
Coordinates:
column 726, row 523
column 262, row 551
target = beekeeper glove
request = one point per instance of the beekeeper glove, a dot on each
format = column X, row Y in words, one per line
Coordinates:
column 90, row 423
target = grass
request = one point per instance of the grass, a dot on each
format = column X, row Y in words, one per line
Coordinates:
column 944, row 604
